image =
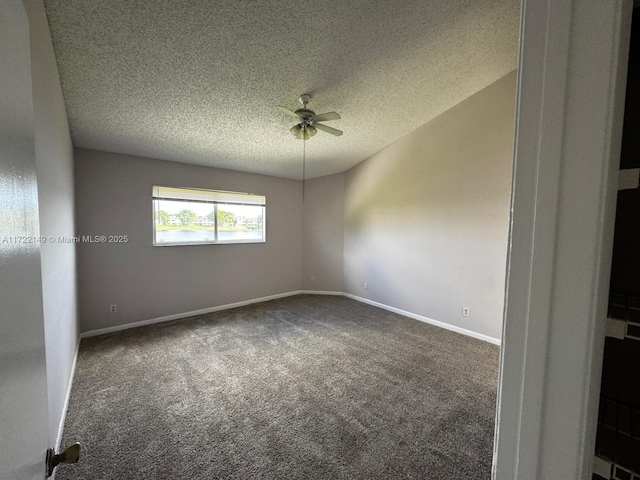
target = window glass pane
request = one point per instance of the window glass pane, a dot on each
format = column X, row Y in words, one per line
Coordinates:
column 240, row 222
column 184, row 222
column 185, row 216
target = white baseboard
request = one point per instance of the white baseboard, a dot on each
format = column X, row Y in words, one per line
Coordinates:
column 321, row 292
column 431, row 321
column 193, row 313
column 63, row 417
column 126, row 326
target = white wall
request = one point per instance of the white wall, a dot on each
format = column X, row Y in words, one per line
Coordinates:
column 323, row 233
column 427, row 218
column 54, row 167
column 113, row 197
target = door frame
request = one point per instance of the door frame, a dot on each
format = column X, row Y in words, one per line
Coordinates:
column 570, row 105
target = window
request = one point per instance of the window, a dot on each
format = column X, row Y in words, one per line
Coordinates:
column 189, row 216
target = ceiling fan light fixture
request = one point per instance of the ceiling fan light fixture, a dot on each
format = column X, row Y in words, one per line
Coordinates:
column 295, row 130
column 311, row 130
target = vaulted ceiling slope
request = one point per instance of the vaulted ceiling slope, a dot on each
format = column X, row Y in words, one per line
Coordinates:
column 197, row 81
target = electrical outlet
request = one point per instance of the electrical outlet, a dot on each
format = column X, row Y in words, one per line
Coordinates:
column 312, row 279
column 113, row 308
column 366, row 286
column 465, row 312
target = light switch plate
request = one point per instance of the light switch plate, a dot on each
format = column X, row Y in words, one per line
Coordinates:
column 601, row 467
column 615, row 328
column 628, row 178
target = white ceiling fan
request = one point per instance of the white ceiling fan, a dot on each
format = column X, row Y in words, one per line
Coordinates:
column 308, row 119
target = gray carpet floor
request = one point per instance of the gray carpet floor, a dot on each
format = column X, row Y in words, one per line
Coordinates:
column 305, row 387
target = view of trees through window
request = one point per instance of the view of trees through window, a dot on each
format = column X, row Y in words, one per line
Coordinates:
column 181, row 221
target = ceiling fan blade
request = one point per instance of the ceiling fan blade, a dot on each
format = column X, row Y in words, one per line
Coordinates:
column 332, row 131
column 324, row 117
column 288, row 112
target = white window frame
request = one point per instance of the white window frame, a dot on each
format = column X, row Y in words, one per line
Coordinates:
column 213, row 197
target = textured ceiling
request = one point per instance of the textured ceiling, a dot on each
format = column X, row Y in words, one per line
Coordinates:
column 197, row 81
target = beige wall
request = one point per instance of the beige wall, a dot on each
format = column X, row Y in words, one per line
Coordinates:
column 424, row 222
column 54, row 167
column 113, row 194
column 427, row 218
column 323, row 233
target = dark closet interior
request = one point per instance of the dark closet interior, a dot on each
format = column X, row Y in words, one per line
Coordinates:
column 618, row 438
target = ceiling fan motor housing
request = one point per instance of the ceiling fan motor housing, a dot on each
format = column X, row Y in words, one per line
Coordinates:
column 305, row 114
